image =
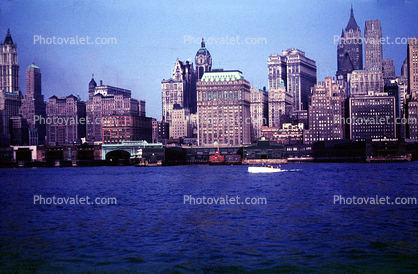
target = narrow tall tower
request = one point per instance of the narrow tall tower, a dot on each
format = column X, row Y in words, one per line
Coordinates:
column 373, row 52
column 203, row 61
column 350, row 49
column 10, row 95
column 33, row 104
column 9, row 72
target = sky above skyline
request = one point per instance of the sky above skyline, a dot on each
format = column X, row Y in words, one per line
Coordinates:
column 150, row 36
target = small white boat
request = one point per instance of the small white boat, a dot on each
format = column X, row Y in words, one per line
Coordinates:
column 264, row 169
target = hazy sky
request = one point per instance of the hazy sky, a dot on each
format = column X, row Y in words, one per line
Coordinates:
column 152, row 35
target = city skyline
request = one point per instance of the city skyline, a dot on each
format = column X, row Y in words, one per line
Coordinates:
column 153, row 37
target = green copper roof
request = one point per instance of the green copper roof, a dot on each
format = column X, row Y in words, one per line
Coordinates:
column 33, row 66
column 218, row 75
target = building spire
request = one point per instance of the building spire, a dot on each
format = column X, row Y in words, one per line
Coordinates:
column 352, row 13
column 203, row 42
column 8, row 39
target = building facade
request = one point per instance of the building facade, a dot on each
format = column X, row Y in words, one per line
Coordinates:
column 373, row 53
column 10, row 94
column 301, row 77
column 180, row 125
column 179, row 90
column 412, row 67
column 277, row 71
column 33, row 102
column 19, row 133
column 412, row 126
column 223, row 108
column 361, row 82
column 258, row 111
column 65, row 120
column 327, row 112
column 388, row 70
column 349, row 49
column 107, row 100
column 118, row 128
column 280, row 103
column 372, row 116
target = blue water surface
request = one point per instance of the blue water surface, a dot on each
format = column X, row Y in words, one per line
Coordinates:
column 152, row 230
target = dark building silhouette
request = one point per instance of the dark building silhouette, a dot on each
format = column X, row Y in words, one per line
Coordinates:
column 10, row 95
column 350, row 49
column 33, row 104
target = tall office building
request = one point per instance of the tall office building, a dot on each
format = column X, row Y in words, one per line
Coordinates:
column 277, row 71
column 223, row 108
column 108, row 100
column 258, row 111
column 350, row 49
column 411, row 72
column 327, row 111
column 280, row 103
column 65, row 120
column 33, row 104
column 361, row 82
column 10, row 95
column 388, row 70
column 372, row 116
column 9, row 72
column 179, row 90
column 373, row 53
column 301, row 77
column 203, row 61
column 412, row 67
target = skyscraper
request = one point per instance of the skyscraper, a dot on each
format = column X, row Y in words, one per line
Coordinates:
column 33, row 102
column 277, row 71
column 412, row 102
column 179, row 89
column 350, row 49
column 280, row 103
column 327, row 111
column 9, row 66
column 259, row 111
column 223, row 108
column 301, row 77
column 373, row 52
column 413, row 67
column 10, row 95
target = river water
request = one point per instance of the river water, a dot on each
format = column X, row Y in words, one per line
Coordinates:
column 295, row 223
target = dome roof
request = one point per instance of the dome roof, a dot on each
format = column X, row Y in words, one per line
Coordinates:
column 202, row 50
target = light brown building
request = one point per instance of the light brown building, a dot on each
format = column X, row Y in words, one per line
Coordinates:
column 259, row 111
column 223, row 108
